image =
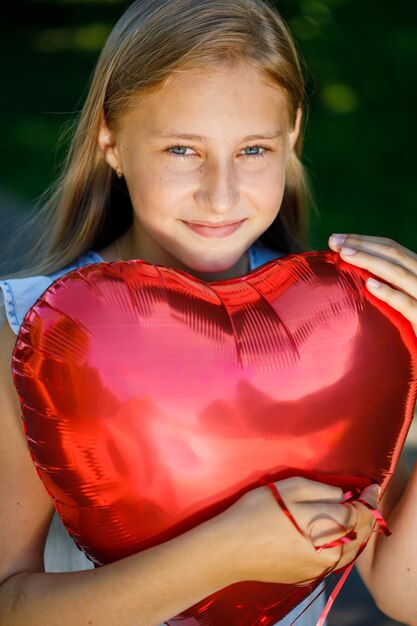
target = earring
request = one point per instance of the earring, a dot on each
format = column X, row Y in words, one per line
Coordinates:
column 119, row 172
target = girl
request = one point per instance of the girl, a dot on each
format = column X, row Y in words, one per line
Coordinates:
column 187, row 154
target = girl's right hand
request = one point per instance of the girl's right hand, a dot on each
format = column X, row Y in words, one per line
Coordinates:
column 269, row 548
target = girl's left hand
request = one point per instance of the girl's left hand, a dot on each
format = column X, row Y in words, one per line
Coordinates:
column 387, row 260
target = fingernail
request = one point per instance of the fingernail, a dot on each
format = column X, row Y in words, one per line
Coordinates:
column 371, row 282
column 377, row 489
column 338, row 240
column 348, row 251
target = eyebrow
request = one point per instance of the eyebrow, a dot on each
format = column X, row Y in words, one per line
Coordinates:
column 179, row 135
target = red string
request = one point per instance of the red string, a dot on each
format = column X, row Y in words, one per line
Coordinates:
column 284, row 508
column 322, row 590
column 378, row 518
column 334, row 595
column 350, row 535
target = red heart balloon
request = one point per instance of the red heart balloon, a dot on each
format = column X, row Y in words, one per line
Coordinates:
column 153, row 400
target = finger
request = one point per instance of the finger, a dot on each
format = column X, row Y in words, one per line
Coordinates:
column 325, row 530
column 309, row 491
column 331, row 522
column 369, row 502
column 380, row 246
column 352, row 549
column 402, row 293
column 365, row 520
column 371, row 495
column 387, row 269
column 398, row 300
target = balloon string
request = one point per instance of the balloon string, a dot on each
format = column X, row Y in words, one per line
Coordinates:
column 347, row 538
column 316, row 597
column 352, row 496
column 350, row 535
column 284, row 508
column 334, row 595
column 378, row 518
column 383, row 528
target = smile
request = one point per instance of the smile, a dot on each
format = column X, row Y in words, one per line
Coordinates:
column 214, row 231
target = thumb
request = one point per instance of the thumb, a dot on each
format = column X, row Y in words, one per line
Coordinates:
column 371, row 495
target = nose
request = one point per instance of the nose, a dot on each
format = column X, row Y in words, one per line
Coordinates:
column 219, row 188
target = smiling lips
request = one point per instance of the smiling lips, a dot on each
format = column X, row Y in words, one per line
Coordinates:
column 215, row 231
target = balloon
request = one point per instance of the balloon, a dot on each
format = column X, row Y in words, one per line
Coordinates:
column 153, row 400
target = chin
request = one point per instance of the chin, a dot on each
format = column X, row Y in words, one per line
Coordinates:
column 211, row 267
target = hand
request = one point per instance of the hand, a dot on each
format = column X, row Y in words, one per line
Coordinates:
column 387, row 260
column 267, row 546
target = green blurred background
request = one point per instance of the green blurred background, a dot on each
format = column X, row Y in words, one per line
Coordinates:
column 360, row 140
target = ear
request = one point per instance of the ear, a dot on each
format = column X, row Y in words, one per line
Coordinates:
column 295, row 132
column 108, row 145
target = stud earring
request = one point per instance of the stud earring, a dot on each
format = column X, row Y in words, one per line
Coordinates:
column 119, row 172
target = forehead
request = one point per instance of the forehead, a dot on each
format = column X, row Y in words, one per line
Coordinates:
column 212, row 94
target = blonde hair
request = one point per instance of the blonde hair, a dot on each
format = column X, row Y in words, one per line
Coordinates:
column 89, row 207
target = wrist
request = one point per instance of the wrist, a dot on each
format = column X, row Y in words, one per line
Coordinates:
column 222, row 550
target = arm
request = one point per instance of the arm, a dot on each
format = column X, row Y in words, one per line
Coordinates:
column 389, row 565
column 252, row 540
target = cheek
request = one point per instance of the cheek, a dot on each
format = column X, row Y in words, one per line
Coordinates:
column 167, row 179
column 154, row 186
column 269, row 201
column 157, row 195
column 267, row 185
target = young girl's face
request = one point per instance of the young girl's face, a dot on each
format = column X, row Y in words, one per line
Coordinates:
column 208, row 147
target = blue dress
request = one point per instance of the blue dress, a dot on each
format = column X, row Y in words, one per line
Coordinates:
column 17, row 296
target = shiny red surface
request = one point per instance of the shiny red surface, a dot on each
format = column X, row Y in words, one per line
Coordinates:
column 152, row 400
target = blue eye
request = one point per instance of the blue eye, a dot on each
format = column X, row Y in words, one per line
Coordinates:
column 255, row 151
column 180, row 150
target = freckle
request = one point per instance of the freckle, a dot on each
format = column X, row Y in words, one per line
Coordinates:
column 18, row 503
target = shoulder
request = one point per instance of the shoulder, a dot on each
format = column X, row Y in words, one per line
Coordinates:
column 18, row 295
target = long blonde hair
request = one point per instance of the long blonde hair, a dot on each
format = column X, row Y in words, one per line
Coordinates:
column 88, row 207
